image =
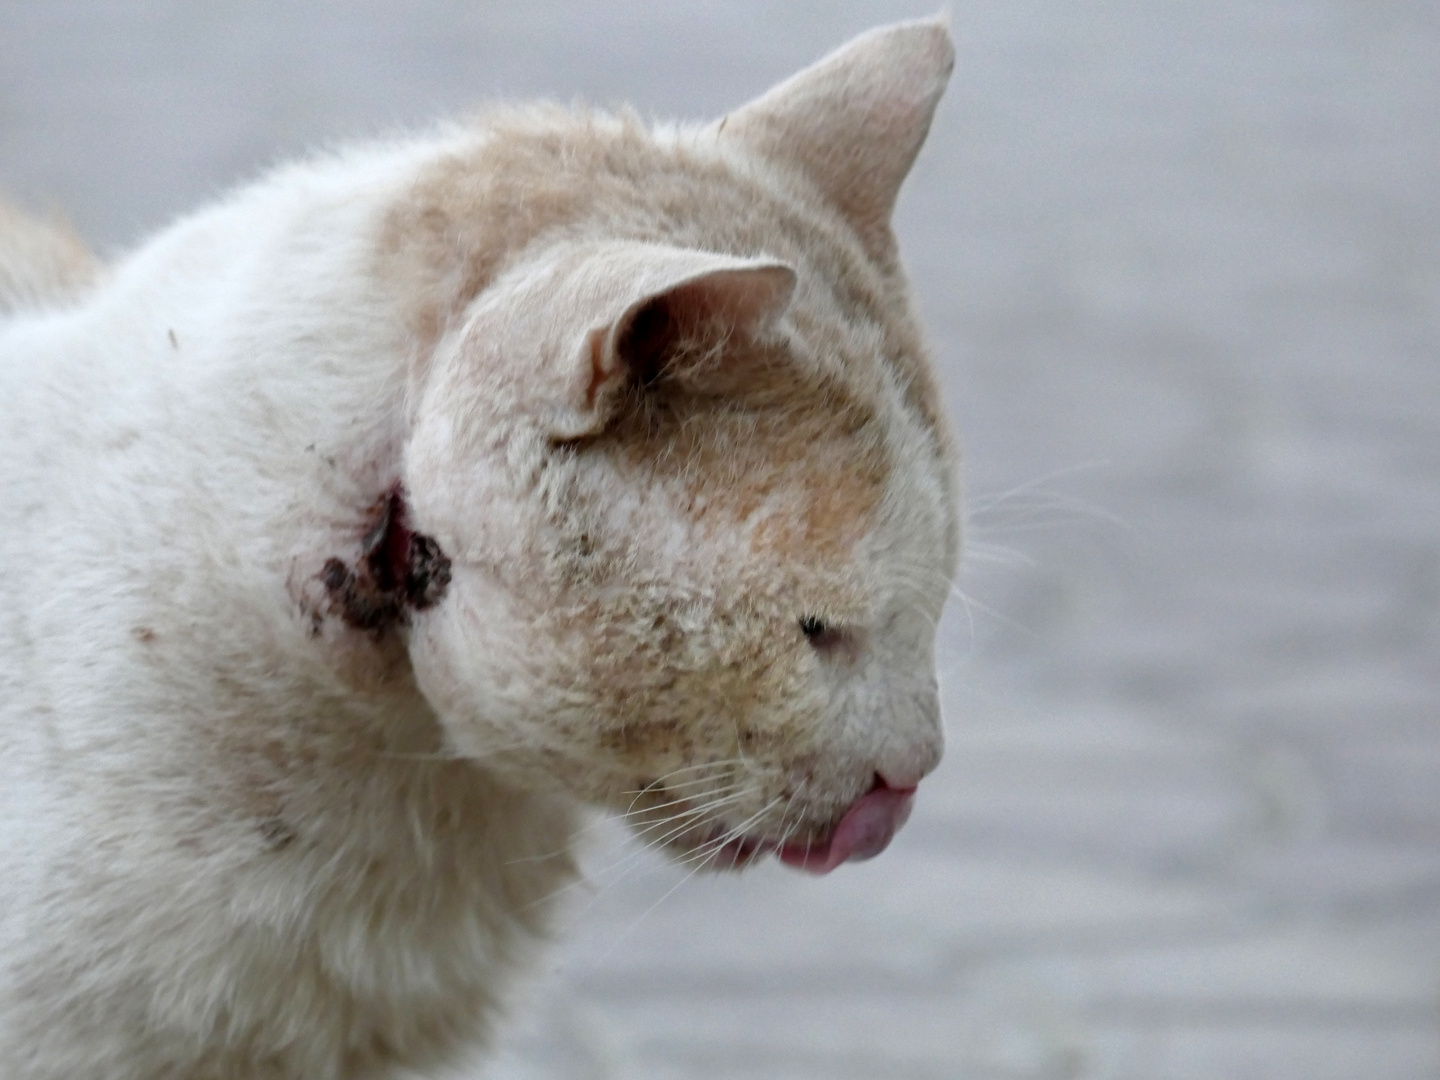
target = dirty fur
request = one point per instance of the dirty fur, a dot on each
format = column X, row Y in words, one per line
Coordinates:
column 366, row 527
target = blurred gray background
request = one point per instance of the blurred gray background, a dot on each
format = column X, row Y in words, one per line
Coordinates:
column 1181, row 263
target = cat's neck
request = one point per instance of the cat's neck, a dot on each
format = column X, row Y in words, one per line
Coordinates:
column 284, row 373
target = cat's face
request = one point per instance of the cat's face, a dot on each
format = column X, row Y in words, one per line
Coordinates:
column 699, row 508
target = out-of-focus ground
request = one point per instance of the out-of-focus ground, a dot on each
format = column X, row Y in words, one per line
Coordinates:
column 1182, row 266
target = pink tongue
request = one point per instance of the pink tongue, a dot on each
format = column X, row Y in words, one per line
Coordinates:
column 864, row 832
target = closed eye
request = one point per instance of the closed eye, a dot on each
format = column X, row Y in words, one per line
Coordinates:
column 823, row 636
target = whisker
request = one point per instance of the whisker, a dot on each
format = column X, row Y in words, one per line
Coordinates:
column 969, row 600
column 984, row 503
column 659, row 786
column 646, row 913
column 686, row 820
column 978, row 551
column 721, row 763
column 667, row 788
column 739, row 830
column 635, row 819
column 679, row 823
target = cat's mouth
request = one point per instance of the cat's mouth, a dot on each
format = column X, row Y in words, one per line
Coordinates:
column 863, row 831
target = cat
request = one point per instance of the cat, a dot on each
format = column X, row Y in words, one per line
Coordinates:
column 366, row 529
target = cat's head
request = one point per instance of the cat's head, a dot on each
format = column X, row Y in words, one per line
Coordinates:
column 681, row 445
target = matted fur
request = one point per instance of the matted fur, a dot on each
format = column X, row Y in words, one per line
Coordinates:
column 365, row 527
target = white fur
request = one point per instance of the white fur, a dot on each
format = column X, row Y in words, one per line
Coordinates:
column 235, row 838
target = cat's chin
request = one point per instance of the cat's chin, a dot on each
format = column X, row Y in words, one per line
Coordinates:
column 734, row 854
column 864, row 831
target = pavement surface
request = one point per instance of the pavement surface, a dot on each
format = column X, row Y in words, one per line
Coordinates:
column 1181, row 262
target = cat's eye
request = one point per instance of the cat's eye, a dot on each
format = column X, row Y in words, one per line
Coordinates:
column 821, row 634
column 833, row 641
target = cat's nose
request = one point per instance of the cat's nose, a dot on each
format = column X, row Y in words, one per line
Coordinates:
column 864, row 831
column 914, row 742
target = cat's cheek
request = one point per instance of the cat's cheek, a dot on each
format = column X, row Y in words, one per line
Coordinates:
column 464, row 654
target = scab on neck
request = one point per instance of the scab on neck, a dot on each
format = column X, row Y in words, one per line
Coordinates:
column 398, row 570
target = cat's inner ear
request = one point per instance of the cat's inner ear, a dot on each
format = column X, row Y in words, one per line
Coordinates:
column 648, row 340
column 854, row 122
column 687, row 303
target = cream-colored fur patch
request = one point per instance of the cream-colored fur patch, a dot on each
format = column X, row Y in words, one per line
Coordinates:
column 366, row 526
column 42, row 264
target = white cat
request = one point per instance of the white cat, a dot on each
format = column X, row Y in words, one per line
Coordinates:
column 361, row 529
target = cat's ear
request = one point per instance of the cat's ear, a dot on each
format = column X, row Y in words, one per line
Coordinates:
column 854, row 122
column 640, row 304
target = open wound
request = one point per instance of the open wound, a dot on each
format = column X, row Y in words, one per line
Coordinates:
column 397, row 570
